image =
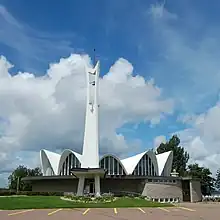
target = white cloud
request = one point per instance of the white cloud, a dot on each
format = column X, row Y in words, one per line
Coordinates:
column 158, row 140
column 202, row 141
column 158, row 11
column 48, row 112
column 193, row 80
column 12, row 159
column 189, row 59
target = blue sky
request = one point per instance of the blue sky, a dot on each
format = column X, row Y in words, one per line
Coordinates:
column 116, row 29
column 173, row 42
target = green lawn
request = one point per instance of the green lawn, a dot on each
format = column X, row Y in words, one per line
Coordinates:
column 40, row 202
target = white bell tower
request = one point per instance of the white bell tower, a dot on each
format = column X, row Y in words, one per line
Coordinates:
column 90, row 154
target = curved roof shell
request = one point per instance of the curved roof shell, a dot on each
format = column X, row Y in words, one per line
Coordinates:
column 49, row 159
column 64, row 155
column 115, row 157
column 162, row 162
column 131, row 162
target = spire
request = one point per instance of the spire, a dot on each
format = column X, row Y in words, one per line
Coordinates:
column 94, row 58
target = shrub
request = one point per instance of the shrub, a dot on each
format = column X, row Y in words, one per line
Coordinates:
column 7, row 193
column 211, row 198
column 30, row 193
column 91, row 199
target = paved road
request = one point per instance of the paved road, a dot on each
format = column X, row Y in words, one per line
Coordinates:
column 180, row 212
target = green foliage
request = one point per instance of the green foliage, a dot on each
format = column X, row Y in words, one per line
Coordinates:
column 180, row 156
column 180, row 159
column 205, row 176
column 29, row 193
column 217, row 182
column 20, row 172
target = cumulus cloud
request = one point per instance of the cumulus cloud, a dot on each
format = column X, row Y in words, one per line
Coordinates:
column 202, row 140
column 158, row 140
column 48, row 111
column 193, row 80
column 189, row 59
column 158, row 11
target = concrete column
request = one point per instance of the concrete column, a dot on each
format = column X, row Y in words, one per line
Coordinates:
column 191, row 191
column 80, row 186
column 97, row 185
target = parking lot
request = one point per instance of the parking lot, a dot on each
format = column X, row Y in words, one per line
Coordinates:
column 180, row 212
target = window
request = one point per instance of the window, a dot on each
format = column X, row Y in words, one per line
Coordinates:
column 70, row 162
column 135, row 172
column 120, row 170
column 102, row 164
column 153, row 170
column 106, row 162
column 66, row 166
column 139, row 169
column 113, row 166
column 144, row 167
column 150, row 171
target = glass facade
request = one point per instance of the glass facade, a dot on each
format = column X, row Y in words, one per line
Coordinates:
column 113, row 166
column 70, row 162
column 145, row 167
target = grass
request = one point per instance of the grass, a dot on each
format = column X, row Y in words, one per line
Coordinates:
column 41, row 202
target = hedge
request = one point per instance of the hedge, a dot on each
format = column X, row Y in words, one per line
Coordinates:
column 30, row 193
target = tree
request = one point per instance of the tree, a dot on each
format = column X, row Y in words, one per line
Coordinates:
column 217, row 182
column 205, row 176
column 20, row 172
column 35, row 172
column 180, row 156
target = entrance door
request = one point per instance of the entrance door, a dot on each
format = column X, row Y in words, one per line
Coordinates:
column 91, row 187
column 186, row 190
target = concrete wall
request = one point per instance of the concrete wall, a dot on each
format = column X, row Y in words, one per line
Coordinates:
column 163, row 190
column 55, row 185
column 122, row 185
column 154, row 190
column 195, row 191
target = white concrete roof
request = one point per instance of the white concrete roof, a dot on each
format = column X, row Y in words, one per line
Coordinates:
column 55, row 161
column 161, row 161
column 131, row 162
column 49, row 158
